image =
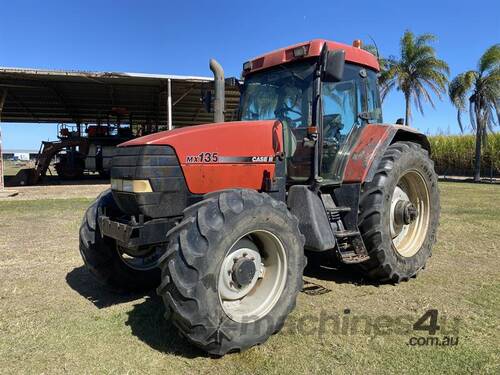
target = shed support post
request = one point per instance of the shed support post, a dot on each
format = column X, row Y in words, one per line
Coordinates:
column 169, row 103
column 2, row 102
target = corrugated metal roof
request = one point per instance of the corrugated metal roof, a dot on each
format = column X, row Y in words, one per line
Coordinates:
column 56, row 96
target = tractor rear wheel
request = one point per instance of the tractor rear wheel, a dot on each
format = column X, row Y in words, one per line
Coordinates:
column 109, row 263
column 399, row 213
column 232, row 270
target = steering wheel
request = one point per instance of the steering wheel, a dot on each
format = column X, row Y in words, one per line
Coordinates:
column 281, row 114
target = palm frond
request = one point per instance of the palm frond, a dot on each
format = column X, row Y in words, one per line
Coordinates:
column 459, row 119
column 386, row 88
column 424, row 39
column 493, row 109
column 459, row 87
column 372, row 49
column 472, row 115
column 496, row 104
column 421, row 91
column 407, row 44
column 490, row 59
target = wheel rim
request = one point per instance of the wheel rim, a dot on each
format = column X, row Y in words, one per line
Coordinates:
column 141, row 260
column 252, row 276
column 410, row 213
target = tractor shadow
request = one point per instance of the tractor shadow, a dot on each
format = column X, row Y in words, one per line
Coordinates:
column 146, row 318
column 148, row 323
column 324, row 267
column 81, row 281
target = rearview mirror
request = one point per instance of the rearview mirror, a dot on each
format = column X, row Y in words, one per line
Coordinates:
column 333, row 68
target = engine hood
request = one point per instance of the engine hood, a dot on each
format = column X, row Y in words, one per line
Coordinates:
column 222, row 155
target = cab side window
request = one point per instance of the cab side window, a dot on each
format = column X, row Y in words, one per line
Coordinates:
column 342, row 103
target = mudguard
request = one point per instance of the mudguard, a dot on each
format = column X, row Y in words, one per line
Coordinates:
column 371, row 145
column 313, row 221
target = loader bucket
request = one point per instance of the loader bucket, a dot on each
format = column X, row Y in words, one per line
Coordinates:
column 25, row 176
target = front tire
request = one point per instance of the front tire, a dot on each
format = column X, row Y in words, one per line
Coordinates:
column 233, row 270
column 399, row 213
column 103, row 258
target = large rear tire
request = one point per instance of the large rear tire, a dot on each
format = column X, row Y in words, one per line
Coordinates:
column 399, row 213
column 103, row 259
column 233, row 270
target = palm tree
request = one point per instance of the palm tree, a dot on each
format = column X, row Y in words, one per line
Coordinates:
column 417, row 70
column 481, row 88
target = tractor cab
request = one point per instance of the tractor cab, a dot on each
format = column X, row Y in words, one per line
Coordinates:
column 311, row 103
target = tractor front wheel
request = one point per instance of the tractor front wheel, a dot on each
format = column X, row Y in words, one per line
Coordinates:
column 399, row 213
column 232, row 270
column 109, row 263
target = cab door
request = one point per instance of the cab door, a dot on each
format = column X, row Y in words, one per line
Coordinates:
column 347, row 106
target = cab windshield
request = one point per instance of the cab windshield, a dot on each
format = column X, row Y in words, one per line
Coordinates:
column 283, row 93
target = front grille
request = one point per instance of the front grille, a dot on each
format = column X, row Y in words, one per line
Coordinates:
column 160, row 166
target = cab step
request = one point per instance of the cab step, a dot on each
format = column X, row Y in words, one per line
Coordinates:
column 346, row 233
column 340, row 209
column 352, row 258
column 350, row 246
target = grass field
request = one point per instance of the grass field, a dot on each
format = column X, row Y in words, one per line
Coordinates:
column 55, row 319
column 11, row 168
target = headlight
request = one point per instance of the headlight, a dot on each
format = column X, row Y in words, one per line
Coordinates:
column 131, row 186
column 116, row 184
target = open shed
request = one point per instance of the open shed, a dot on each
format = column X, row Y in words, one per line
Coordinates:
column 144, row 101
column 56, row 96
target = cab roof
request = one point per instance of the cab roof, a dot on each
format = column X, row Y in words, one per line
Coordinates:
column 311, row 48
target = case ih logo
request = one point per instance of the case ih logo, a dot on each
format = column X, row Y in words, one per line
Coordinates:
column 262, row 159
column 213, row 157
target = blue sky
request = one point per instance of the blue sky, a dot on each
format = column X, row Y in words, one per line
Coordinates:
column 178, row 37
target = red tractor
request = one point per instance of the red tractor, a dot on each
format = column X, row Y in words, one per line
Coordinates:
column 218, row 216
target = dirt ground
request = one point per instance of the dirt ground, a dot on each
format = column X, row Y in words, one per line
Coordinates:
column 54, row 318
column 57, row 191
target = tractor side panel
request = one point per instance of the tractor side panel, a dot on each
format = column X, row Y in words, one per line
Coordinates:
column 370, row 148
column 373, row 140
column 223, row 156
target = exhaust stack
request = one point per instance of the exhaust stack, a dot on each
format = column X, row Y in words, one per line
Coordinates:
column 219, row 89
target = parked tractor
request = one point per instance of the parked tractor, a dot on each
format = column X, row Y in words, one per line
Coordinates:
column 79, row 149
column 218, row 217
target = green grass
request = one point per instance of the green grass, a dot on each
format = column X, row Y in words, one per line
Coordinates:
column 11, row 168
column 54, row 318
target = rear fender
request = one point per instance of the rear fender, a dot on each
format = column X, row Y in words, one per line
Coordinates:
column 370, row 148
